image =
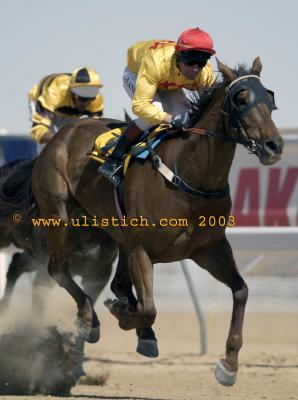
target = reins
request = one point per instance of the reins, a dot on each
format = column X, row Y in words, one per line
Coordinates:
column 241, row 83
column 248, row 143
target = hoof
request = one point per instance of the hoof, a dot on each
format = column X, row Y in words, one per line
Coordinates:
column 90, row 335
column 224, row 376
column 122, row 302
column 148, row 348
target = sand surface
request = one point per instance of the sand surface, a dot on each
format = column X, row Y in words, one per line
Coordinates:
column 268, row 361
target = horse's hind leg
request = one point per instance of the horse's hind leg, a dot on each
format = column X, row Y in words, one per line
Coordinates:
column 121, row 286
column 20, row 263
column 219, row 261
column 52, row 199
column 59, row 271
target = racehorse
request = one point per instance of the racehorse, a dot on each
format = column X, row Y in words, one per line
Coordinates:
column 197, row 162
column 91, row 254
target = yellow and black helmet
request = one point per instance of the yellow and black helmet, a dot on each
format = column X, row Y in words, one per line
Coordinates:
column 85, row 82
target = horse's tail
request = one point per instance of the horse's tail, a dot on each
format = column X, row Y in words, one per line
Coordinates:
column 16, row 195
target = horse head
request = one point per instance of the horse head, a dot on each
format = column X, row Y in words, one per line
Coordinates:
column 248, row 108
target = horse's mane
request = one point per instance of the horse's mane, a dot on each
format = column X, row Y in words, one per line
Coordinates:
column 199, row 100
column 15, row 189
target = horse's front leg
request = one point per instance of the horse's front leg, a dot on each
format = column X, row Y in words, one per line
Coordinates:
column 127, row 309
column 219, row 261
column 121, row 284
column 58, row 269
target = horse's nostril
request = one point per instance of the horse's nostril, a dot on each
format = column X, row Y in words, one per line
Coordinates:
column 274, row 145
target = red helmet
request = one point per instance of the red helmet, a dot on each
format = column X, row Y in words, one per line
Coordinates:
column 195, row 39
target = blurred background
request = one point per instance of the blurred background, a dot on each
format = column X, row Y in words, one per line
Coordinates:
column 40, row 37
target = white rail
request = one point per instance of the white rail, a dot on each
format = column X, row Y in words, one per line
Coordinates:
column 263, row 238
column 4, row 260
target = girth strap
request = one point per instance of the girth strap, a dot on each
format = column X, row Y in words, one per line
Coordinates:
column 178, row 182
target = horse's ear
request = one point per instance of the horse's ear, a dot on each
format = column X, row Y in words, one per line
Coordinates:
column 256, row 67
column 226, row 72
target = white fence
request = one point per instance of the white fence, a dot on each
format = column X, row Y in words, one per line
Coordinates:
column 4, row 260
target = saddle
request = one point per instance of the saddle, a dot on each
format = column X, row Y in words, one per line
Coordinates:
column 105, row 143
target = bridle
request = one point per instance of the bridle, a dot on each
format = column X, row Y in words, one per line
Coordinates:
column 258, row 94
column 232, row 117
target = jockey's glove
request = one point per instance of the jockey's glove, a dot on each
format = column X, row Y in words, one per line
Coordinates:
column 180, row 120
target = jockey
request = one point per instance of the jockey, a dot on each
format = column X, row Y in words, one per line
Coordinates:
column 60, row 98
column 156, row 73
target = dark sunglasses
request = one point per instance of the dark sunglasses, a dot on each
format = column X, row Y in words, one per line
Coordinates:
column 84, row 99
column 192, row 58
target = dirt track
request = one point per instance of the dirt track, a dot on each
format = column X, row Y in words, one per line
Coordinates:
column 268, row 370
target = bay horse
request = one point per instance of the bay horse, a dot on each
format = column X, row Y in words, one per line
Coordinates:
column 198, row 161
column 91, row 254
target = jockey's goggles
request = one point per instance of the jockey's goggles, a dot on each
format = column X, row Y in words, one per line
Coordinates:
column 194, row 57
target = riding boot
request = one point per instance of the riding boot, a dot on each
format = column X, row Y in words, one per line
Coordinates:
column 110, row 168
